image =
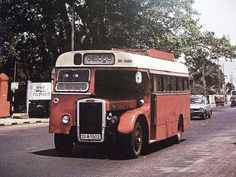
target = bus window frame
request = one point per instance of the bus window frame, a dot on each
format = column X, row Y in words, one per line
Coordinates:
column 168, row 83
column 145, row 75
column 68, row 90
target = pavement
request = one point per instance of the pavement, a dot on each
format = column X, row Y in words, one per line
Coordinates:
column 21, row 119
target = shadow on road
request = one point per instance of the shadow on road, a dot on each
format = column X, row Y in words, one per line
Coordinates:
column 90, row 152
column 158, row 146
column 197, row 119
column 102, row 152
column 47, row 152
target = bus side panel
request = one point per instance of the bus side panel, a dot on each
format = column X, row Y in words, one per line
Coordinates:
column 186, row 116
column 66, row 106
column 169, row 108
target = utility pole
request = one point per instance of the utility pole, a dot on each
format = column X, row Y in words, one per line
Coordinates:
column 14, row 79
column 219, row 75
column 14, row 86
column 73, row 29
column 204, row 80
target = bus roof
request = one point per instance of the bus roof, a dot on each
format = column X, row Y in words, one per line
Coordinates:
column 93, row 58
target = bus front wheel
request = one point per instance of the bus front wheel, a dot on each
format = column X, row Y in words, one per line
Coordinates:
column 134, row 141
column 63, row 144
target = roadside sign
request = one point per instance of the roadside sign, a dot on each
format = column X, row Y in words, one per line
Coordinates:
column 39, row 91
column 14, row 86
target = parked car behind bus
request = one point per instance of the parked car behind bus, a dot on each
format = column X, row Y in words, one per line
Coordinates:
column 39, row 108
column 233, row 100
column 200, row 107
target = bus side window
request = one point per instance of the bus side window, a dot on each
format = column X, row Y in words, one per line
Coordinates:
column 169, row 84
column 162, row 88
column 188, row 84
column 145, row 87
column 177, row 84
column 173, row 83
column 180, row 84
column 154, row 84
column 183, row 83
column 165, row 87
column 159, row 83
column 167, row 81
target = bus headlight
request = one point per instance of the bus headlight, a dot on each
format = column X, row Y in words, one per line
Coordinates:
column 65, row 119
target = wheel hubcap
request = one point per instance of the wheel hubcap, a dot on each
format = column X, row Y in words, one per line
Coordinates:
column 138, row 140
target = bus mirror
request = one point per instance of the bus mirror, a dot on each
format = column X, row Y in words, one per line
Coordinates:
column 138, row 77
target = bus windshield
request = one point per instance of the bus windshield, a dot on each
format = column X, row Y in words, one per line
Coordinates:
column 73, row 80
column 118, row 84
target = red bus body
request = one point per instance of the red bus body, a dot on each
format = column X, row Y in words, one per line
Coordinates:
column 153, row 113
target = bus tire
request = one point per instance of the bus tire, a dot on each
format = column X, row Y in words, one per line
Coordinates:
column 178, row 138
column 63, row 144
column 204, row 116
column 134, row 141
column 210, row 114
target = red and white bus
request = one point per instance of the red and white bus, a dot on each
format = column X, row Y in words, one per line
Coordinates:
column 108, row 96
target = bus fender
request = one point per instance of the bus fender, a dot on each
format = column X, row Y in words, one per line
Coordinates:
column 128, row 119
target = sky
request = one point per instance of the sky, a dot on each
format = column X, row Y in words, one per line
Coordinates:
column 219, row 16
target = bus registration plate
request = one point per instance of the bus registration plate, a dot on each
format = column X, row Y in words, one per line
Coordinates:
column 90, row 136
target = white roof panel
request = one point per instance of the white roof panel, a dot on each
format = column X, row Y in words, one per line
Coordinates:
column 123, row 59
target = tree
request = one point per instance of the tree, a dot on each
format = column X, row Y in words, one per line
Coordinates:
column 137, row 24
column 205, row 53
column 35, row 33
column 204, row 70
column 229, row 87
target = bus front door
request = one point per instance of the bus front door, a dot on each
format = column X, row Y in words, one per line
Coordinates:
column 153, row 116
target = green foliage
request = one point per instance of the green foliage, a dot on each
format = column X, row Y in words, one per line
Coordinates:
column 204, row 54
column 35, row 33
column 137, row 24
column 229, row 87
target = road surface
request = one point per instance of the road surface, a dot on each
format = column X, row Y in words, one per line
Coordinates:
column 208, row 150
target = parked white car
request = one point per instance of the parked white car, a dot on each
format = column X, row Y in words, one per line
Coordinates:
column 200, row 107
